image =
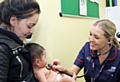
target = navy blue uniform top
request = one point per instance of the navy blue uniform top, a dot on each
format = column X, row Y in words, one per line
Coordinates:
column 108, row 71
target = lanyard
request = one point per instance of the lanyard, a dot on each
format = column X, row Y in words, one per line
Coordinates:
column 101, row 69
column 93, row 68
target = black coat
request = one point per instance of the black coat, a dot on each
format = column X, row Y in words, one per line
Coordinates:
column 15, row 59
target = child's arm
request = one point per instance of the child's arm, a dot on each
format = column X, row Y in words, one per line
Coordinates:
column 45, row 75
column 40, row 75
column 66, row 78
column 52, row 76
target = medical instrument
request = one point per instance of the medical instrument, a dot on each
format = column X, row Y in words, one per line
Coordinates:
column 49, row 67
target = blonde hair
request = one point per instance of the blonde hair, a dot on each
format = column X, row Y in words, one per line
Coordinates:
column 110, row 30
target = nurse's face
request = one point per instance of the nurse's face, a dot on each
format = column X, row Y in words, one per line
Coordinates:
column 97, row 39
column 23, row 27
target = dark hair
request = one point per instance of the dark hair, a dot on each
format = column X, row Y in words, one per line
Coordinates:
column 19, row 8
column 36, row 50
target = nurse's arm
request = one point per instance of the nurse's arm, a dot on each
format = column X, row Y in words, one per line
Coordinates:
column 74, row 69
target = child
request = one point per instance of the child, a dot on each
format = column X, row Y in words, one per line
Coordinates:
column 39, row 62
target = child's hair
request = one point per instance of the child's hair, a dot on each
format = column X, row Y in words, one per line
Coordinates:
column 36, row 51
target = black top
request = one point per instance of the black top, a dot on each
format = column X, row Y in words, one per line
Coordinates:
column 15, row 59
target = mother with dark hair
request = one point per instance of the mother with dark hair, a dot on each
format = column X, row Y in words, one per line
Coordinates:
column 17, row 18
column 17, row 21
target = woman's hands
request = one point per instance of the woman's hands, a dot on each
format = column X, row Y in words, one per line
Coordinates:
column 56, row 65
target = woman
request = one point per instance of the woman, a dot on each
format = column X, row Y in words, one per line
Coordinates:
column 100, row 57
column 17, row 21
column 17, row 18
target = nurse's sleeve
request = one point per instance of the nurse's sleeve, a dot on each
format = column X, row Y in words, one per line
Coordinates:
column 81, row 57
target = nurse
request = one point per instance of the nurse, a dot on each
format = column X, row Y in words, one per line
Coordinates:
column 100, row 57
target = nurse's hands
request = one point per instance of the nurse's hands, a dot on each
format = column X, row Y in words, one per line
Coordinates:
column 56, row 65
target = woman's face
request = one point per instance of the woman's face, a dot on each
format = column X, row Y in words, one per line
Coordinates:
column 97, row 39
column 24, row 27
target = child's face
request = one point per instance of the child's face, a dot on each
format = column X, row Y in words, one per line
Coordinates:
column 44, row 59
